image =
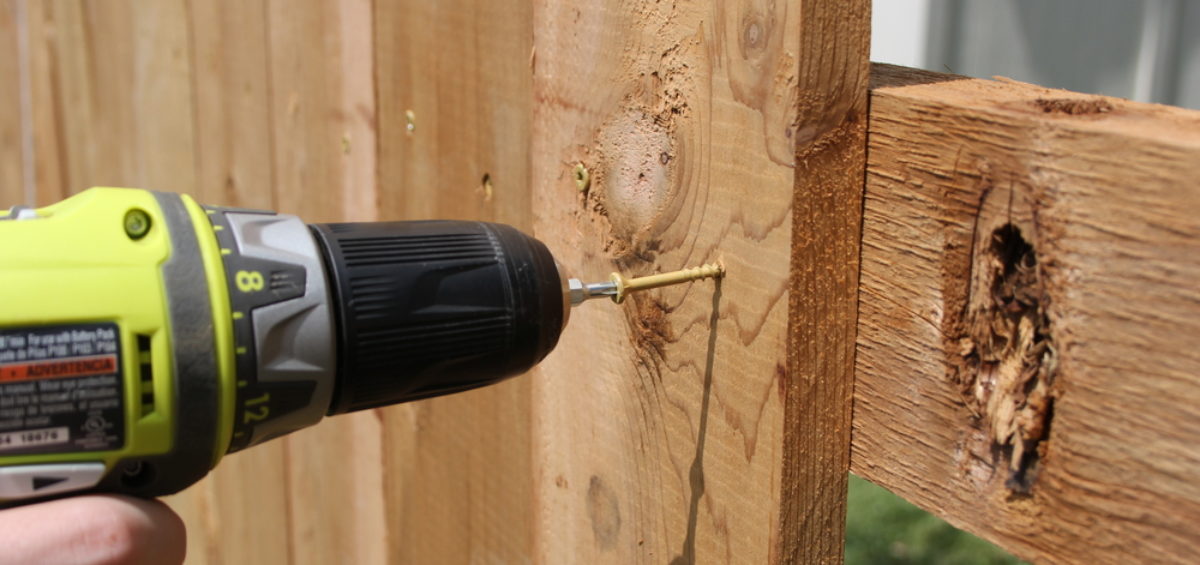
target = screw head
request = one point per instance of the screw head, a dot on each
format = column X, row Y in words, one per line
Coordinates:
column 137, row 224
column 582, row 178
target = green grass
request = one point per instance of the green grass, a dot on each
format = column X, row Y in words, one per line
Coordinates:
column 884, row 529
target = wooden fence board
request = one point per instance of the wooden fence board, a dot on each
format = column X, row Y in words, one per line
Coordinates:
column 12, row 167
column 322, row 136
column 111, row 96
column 823, row 298
column 454, row 123
column 270, row 119
column 230, row 51
column 1027, row 365
column 659, row 430
column 234, row 168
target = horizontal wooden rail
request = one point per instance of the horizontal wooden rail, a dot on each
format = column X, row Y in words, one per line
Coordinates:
column 1027, row 360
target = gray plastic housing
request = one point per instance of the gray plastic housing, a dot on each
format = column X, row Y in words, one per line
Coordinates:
column 290, row 320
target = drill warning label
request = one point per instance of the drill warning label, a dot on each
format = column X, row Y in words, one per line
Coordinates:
column 61, row 389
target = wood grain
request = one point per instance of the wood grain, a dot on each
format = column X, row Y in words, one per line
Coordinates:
column 239, row 513
column 287, row 123
column 823, row 299
column 234, row 103
column 12, row 164
column 660, row 425
column 230, row 51
column 1042, row 396
column 113, row 106
column 322, row 111
column 459, row 470
column 234, row 168
column 111, row 96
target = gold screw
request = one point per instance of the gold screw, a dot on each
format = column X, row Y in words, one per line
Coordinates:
column 626, row 285
column 582, row 178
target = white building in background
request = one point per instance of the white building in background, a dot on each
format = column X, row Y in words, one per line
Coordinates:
column 1147, row 50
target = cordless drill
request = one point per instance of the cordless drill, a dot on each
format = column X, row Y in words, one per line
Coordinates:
column 144, row 336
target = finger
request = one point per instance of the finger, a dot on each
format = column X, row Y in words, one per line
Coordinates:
column 92, row 529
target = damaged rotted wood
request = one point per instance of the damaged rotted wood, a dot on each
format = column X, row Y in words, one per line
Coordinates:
column 1026, row 361
column 1006, row 359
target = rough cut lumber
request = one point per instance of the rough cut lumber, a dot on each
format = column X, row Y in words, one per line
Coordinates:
column 459, row 471
column 1027, row 362
column 823, row 297
column 660, row 427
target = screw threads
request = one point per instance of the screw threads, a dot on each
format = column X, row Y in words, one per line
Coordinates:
column 626, row 285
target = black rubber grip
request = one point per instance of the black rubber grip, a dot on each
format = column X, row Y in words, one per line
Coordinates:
column 434, row 307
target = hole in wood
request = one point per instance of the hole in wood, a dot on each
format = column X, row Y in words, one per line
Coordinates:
column 1007, row 359
column 1074, row 106
column 485, row 185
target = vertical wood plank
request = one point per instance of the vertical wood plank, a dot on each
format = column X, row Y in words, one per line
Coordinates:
column 230, row 51
column 240, row 512
column 285, row 120
column 360, row 143
column 469, row 102
column 119, row 103
column 160, row 97
column 111, row 96
column 459, row 472
column 63, row 100
column 663, row 427
column 322, row 129
column 12, row 170
column 823, row 302
column 308, row 113
column 42, row 59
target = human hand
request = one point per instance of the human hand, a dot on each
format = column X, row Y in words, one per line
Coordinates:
column 99, row 529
